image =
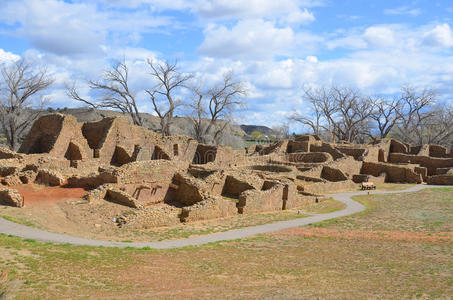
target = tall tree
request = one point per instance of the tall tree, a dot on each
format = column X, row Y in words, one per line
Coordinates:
column 386, row 114
column 354, row 109
column 168, row 80
column 416, row 111
column 20, row 99
column 115, row 92
column 342, row 112
column 213, row 108
column 439, row 126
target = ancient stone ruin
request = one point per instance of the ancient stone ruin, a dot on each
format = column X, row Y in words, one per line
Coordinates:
column 175, row 179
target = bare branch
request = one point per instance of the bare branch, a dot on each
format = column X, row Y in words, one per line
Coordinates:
column 212, row 108
column 21, row 84
column 115, row 92
column 168, row 80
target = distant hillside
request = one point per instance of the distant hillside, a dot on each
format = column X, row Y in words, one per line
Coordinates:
column 251, row 128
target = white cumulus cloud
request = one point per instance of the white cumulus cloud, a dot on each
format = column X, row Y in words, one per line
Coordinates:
column 255, row 39
column 379, row 36
column 440, row 36
column 6, row 56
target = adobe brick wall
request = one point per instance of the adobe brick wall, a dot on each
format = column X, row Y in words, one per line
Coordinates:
column 151, row 217
column 253, row 201
column 398, row 147
column 311, row 157
column 320, row 146
column 174, row 179
column 355, row 152
column 320, row 188
column 53, row 134
column 11, row 197
column 209, row 209
column 431, row 163
column 297, row 146
column 437, row 151
column 395, row 173
column 333, row 174
column 440, row 179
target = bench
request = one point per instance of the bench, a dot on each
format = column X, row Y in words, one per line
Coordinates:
column 368, row 186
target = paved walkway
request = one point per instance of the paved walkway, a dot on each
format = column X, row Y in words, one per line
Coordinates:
column 352, row 207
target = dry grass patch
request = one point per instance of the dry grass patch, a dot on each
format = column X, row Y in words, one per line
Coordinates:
column 380, row 253
column 218, row 225
column 426, row 211
column 323, row 207
column 278, row 266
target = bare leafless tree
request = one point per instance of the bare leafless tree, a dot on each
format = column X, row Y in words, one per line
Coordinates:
column 281, row 131
column 213, row 108
column 312, row 120
column 342, row 112
column 353, row 111
column 168, row 80
column 439, row 125
column 323, row 104
column 415, row 113
column 72, row 92
column 386, row 114
column 115, row 92
column 20, row 99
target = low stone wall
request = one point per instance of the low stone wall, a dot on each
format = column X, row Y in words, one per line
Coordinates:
column 11, row 197
column 319, row 146
column 369, row 178
column 348, row 165
column 297, row 146
column 398, row 147
column 329, row 187
column 437, row 151
column 209, row 209
column 298, row 201
column 92, row 181
column 121, row 197
column 50, row 177
column 311, row 157
column 395, row 173
column 357, row 153
column 5, row 153
column 157, row 216
column 431, row 163
column 440, row 179
column 443, row 171
column 333, row 174
column 253, row 201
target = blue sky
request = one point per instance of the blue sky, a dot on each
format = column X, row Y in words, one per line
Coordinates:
column 278, row 48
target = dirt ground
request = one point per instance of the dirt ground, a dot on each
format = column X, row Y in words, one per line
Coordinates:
column 64, row 210
column 42, row 196
column 70, row 214
column 401, row 247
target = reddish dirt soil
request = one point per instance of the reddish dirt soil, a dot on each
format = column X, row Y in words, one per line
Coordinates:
column 40, row 195
column 367, row 234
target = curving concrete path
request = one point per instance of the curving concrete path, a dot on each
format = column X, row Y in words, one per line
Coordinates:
column 352, row 207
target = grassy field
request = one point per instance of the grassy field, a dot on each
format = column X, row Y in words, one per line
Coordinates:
column 401, row 247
